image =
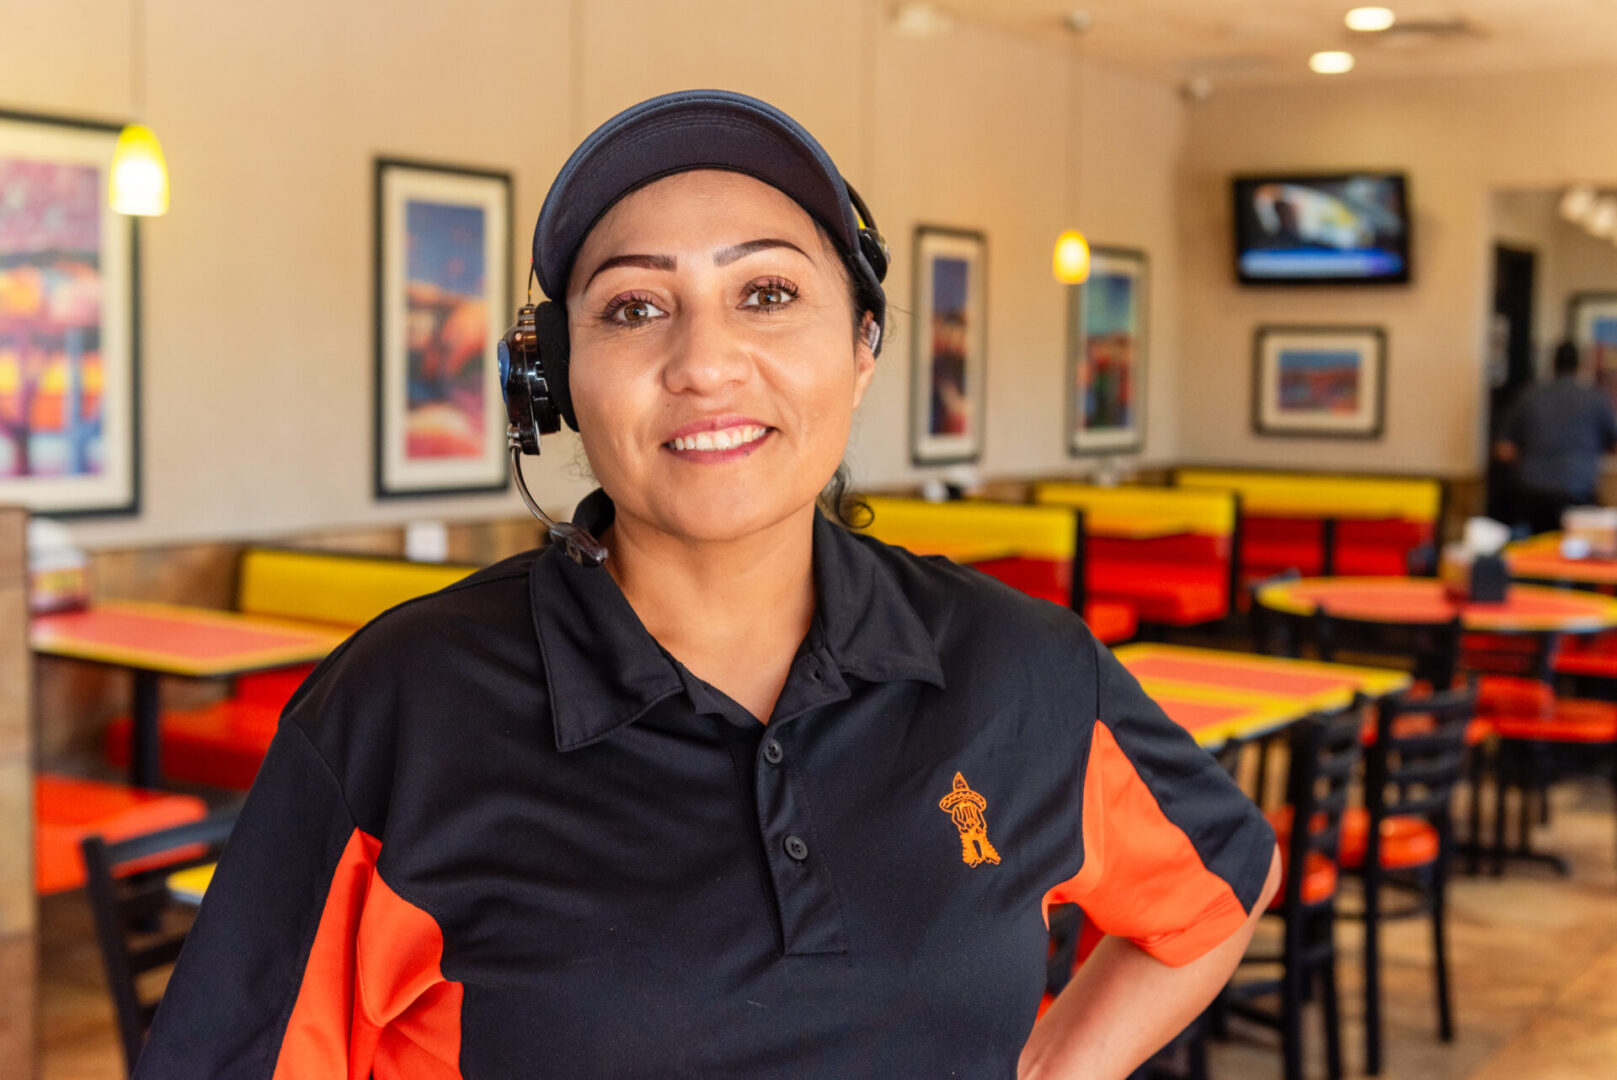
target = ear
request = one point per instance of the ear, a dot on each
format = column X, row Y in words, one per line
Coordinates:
column 864, row 356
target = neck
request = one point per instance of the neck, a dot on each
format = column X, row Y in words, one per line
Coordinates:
column 733, row 612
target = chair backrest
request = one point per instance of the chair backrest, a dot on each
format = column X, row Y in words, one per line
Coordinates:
column 1325, row 751
column 135, row 919
column 1417, row 758
column 333, row 587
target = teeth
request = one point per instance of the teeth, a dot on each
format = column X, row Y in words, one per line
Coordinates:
column 728, row 439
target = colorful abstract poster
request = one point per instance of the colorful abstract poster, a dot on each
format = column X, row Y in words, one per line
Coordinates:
column 1106, row 355
column 949, row 362
column 443, row 298
column 67, row 357
column 1319, row 381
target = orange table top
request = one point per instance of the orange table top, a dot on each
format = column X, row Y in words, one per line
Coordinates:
column 174, row 640
column 1212, row 722
column 1315, row 684
column 1540, row 558
column 1421, row 601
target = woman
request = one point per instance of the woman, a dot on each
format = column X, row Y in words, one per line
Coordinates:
column 757, row 797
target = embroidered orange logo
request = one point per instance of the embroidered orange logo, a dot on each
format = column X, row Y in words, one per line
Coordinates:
column 966, row 807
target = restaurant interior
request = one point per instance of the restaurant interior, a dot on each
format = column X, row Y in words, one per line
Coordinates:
column 1207, row 320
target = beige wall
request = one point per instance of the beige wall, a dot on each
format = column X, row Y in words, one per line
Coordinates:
column 1459, row 139
column 257, row 285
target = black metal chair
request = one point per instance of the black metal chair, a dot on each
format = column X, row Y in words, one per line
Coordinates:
column 1325, row 754
column 1403, row 837
column 140, row 927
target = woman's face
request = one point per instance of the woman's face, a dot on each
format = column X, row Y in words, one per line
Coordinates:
column 714, row 364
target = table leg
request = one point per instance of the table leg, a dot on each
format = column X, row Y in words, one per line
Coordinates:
column 145, row 758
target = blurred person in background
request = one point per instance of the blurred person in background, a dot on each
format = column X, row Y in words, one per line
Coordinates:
column 1555, row 437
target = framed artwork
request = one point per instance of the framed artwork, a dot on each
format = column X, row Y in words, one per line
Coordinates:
column 1592, row 327
column 948, row 362
column 443, row 298
column 69, row 323
column 1319, row 381
column 1106, row 353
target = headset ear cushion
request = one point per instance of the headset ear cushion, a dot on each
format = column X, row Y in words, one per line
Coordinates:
column 551, row 325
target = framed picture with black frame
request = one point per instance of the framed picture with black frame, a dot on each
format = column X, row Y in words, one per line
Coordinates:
column 949, row 353
column 442, row 300
column 1319, row 381
column 1106, row 354
column 1591, row 325
column 69, row 323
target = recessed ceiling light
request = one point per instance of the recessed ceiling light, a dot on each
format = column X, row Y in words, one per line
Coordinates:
column 1370, row 19
column 1331, row 62
column 920, row 19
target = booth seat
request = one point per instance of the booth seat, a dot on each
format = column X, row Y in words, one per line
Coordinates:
column 69, row 808
column 1038, row 550
column 223, row 743
column 1167, row 552
column 1319, row 523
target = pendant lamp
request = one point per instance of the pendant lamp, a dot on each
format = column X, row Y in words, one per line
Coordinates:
column 139, row 181
column 1070, row 260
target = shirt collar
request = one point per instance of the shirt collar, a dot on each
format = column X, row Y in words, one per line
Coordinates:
column 604, row 670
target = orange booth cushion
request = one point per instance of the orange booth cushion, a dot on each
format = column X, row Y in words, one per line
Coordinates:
column 67, row 809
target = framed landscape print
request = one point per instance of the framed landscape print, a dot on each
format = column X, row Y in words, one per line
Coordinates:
column 69, row 323
column 1319, row 381
column 443, row 298
column 1592, row 327
column 948, row 363
column 1106, row 353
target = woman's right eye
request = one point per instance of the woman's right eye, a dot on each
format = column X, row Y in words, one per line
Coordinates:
column 632, row 311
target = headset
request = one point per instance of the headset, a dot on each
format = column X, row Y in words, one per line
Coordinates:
column 533, row 369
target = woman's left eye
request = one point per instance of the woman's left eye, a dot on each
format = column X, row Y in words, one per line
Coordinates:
column 769, row 295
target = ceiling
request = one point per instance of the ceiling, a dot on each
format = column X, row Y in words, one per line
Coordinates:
column 1247, row 41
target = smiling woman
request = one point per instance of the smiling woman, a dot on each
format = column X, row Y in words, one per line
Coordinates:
column 756, row 796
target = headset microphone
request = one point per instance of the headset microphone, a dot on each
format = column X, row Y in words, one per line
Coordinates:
column 536, row 402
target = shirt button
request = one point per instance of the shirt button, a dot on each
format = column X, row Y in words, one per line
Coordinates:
column 773, row 752
column 796, row 849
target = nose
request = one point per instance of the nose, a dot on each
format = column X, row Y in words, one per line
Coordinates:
column 706, row 356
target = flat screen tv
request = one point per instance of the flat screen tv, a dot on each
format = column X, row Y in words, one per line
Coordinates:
column 1322, row 229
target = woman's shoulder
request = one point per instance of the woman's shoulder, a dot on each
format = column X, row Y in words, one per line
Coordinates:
column 952, row 599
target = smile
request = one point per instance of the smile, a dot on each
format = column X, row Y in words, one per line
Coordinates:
column 732, row 438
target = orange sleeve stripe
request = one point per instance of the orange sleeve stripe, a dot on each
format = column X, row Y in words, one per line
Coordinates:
column 373, row 1000
column 1142, row 878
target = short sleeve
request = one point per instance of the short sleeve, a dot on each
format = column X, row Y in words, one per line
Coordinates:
column 1175, row 855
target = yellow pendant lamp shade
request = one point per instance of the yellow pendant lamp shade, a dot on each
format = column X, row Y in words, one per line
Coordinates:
column 139, row 173
column 1071, row 259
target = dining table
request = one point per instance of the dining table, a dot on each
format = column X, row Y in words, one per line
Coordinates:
column 152, row 640
column 1219, row 694
column 1540, row 558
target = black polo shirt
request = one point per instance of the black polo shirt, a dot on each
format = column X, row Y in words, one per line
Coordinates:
column 501, row 833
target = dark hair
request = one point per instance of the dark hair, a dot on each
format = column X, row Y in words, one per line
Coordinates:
column 837, row 502
column 1566, row 359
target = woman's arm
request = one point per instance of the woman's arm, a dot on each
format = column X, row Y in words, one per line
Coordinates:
column 1123, row 1004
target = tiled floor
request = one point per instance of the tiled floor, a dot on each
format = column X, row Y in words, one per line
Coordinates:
column 1535, row 960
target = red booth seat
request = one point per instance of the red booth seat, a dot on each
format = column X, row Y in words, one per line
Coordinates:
column 1111, row 619
column 1369, row 547
column 1593, row 657
column 1163, row 592
column 220, row 744
column 67, row 809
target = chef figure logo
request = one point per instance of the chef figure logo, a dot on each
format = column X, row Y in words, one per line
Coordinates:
column 966, row 807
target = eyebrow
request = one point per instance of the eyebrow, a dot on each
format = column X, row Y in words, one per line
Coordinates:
column 722, row 257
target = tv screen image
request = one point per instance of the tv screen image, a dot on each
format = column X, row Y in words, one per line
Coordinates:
column 1323, row 229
